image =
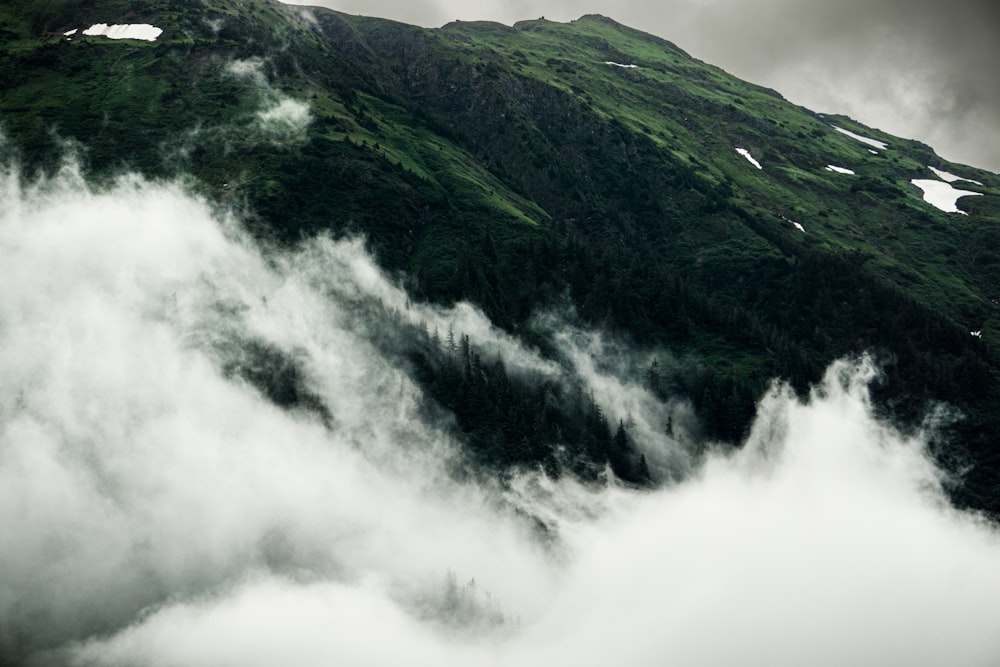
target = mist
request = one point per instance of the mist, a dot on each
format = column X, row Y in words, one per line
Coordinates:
column 159, row 509
column 612, row 372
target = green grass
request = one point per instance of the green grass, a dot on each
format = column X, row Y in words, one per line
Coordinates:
column 688, row 114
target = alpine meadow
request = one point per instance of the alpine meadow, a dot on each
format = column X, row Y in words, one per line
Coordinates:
column 332, row 340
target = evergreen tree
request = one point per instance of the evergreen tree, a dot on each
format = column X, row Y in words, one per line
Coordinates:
column 653, row 377
column 618, row 456
column 642, row 471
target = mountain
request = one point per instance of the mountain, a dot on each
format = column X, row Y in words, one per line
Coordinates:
column 527, row 167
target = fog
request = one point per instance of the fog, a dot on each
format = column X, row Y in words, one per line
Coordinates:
column 282, row 117
column 609, row 371
column 159, row 510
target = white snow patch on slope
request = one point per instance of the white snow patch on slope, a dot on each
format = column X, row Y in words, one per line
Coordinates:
column 608, row 62
column 797, row 225
column 873, row 152
column 951, row 178
column 867, row 140
column 942, row 195
column 143, row 31
column 70, row 33
column 839, row 170
column 745, row 153
column 977, row 334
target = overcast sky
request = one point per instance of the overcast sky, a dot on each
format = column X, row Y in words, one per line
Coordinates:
column 921, row 69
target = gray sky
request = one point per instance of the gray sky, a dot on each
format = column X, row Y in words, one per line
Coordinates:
column 921, row 69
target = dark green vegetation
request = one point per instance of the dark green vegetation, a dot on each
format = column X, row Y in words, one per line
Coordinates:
column 512, row 166
column 520, row 421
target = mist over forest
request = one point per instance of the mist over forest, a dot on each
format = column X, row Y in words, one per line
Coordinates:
column 325, row 339
column 166, row 509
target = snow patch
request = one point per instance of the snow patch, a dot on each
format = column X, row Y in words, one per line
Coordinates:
column 839, row 170
column 873, row 152
column 143, row 31
column 951, row 178
column 608, row 62
column 797, row 225
column 942, row 195
column 745, row 153
column 881, row 145
column 70, row 33
column 977, row 334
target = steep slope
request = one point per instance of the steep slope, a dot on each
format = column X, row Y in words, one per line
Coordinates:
column 548, row 90
column 681, row 207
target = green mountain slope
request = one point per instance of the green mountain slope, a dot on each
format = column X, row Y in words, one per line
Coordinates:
column 512, row 166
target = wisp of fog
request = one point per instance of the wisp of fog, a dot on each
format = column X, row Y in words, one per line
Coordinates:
column 157, row 509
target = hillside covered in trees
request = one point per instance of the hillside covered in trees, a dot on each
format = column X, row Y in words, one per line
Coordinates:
column 546, row 166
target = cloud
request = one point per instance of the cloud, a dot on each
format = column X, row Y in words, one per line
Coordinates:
column 358, row 278
column 281, row 118
column 286, row 117
column 302, row 624
column 918, row 74
column 250, row 70
column 272, row 117
column 166, row 513
column 825, row 540
column 612, row 374
column 134, row 470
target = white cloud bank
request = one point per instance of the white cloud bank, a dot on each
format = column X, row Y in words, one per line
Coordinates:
column 166, row 514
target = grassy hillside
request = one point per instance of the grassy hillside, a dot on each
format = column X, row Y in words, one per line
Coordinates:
column 512, row 165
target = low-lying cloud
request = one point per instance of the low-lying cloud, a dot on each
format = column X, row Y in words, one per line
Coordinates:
column 281, row 118
column 135, row 470
column 286, row 117
column 665, row 433
column 161, row 511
